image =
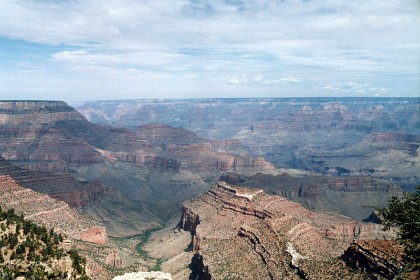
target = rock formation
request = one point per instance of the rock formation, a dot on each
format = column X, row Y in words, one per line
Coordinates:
column 60, row 186
column 245, row 233
column 114, row 259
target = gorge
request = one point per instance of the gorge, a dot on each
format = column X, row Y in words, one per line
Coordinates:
column 299, row 176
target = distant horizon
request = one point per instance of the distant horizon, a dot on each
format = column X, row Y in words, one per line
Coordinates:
column 96, row 50
column 80, row 102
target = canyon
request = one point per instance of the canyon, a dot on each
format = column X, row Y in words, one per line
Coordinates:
column 378, row 137
column 129, row 180
column 137, row 183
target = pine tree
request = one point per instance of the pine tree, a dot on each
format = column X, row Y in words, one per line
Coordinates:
column 405, row 214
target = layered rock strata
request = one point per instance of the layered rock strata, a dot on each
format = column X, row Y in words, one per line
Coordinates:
column 245, row 233
column 47, row 211
column 379, row 259
column 60, row 186
column 57, row 138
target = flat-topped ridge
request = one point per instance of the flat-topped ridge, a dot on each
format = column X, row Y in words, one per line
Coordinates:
column 39, row 112
column 22, row 105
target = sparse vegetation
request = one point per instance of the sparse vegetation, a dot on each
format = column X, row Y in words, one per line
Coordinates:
column 28, row 250
column 139, row 249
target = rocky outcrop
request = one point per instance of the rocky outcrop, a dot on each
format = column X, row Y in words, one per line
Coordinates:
column 36, row 112
column 379, row 259
column 114, row 259
column 49, row 212
column 250, row 234
column 189, row 220
column 95, row 235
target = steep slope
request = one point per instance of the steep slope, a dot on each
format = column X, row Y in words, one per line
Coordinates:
column 353, row 196
column 30, row 251
column 61, row 186
column 47, row 211
column 244, row 233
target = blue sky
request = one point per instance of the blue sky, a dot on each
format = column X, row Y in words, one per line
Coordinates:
column 92, row 49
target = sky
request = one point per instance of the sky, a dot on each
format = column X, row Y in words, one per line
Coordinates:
column 93, row 49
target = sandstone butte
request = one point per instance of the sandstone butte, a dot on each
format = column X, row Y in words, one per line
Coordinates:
column 241, row 233
column 50, row 212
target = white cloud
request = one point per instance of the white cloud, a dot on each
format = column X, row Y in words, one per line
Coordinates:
column 200, row 43
column 290, row 79
column 260, row 80
column 353, row 88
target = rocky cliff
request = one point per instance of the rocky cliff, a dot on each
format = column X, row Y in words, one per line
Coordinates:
column 245, row 233
column 36, row 112
column 60, row 186
column 379, row 259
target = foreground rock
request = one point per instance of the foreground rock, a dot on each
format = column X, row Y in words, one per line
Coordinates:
column 157, row 275
column 247, row 234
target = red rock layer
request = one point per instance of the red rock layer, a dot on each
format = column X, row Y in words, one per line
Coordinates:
column 49, row 212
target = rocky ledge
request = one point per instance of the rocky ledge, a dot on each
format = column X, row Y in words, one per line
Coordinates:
column 247, row 234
